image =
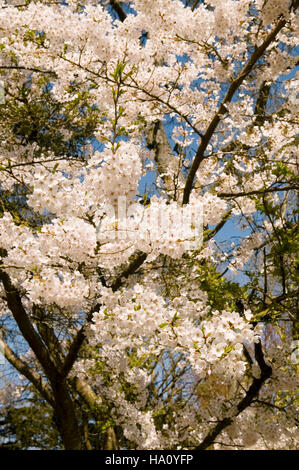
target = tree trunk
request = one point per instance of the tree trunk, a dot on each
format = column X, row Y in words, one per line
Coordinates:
column 110, row 440
column 66, row 420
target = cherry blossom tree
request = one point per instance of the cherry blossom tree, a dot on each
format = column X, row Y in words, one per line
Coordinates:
column 149, row 223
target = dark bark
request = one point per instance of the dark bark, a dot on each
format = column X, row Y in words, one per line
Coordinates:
column 110, row 440
column 236, row 83
column 251, row 394
column 65, row 417
column 115, row 4
column 260, row 191
column 23, row 321
column 137, row 261
column 63, row 404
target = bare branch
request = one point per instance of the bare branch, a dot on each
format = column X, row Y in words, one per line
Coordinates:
column 34, row 377
column 137, row 261
column 29, row 69
column 259, row 191
column 76, row 345
column 251, row 394
column 115, row 4
column 219, row 226
column 15, row 305
column 236, row 83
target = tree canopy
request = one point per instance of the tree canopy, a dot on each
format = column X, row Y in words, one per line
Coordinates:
column 149, row 224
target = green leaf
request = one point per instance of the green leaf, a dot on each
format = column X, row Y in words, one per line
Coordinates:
column 55, row 168
column 175, row 319
column 228, row 349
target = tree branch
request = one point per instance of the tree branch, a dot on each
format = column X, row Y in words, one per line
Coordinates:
column 136, row 262
column 248, row 399
column 49, row 338
column 259, row 191
column 29, row 69
column 236, row 83
column 196, row 2
column 261, row 104
column 91, row 399
column 34, row 377
column 115, row 4
column 74, row 349
column 219, row 226
column 76, row 345
column 15, row 305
